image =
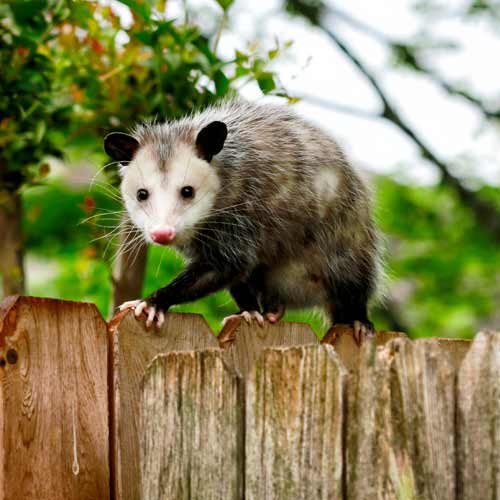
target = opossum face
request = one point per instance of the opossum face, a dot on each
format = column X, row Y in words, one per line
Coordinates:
column 169, row 202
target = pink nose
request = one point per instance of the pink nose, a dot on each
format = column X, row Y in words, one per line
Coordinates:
column 163, row 236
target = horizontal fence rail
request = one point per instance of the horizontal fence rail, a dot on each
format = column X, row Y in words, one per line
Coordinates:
column 90, row 410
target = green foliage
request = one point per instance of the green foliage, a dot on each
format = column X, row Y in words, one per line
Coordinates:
column 441, row 260
column 29, row 108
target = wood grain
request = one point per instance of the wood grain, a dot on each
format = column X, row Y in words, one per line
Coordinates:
column 243, row 343
column 342, row 339
column 401, row 423
column 53, row 401
column 294, row 425
column 133, row 348
column 457, row 349
column 478, row 419
column 191, row 429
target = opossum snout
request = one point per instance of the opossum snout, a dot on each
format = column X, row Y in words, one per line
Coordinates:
column 163, row 235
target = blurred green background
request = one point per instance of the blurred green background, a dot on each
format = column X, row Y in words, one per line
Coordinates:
column 73, row 71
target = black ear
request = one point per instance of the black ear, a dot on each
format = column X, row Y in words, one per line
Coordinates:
column 210, row 140
column 120, row 146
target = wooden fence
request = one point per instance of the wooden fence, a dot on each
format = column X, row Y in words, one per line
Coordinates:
column 90, row 410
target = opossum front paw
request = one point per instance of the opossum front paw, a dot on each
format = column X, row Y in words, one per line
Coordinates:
column 248, row 316
column 153, row 313
column 362, row 330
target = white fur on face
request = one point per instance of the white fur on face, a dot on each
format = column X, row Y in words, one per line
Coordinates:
column 165, row 207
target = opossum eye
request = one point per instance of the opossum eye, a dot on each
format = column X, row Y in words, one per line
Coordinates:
column 142, row 194
column 187, row 192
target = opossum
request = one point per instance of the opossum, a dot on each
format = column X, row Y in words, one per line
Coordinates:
column 261, row 202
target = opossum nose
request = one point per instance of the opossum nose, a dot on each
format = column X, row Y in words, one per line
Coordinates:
column 163, row 235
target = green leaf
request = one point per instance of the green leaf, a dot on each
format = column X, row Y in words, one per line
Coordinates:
column 266, row 82
column 241, row 71
column 145, row 37
column 143, row 9
column 240, row 56
column 225, row 4
column 24, row 11
column 201, row 43
column 41, row 127
column 166, row 27
column 221, row 83
column 273, row 53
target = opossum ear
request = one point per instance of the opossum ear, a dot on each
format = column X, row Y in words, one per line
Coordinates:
column 120, row 146
column 210, row 140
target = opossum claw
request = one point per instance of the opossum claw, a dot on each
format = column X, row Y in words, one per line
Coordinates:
column 130, row 304
column 151, row 312
column 140, row 307
column 362, row 331
column 257, row 316
column 248, row 316
column 161, row 319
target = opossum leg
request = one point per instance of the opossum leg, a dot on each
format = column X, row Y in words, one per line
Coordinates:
column 245, row 297
column 275, row 315
column 195, row 282
column 274, row 310
column 348, row 306
column 247, row 301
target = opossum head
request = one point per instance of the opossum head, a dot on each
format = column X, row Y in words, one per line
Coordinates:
column 168, row 196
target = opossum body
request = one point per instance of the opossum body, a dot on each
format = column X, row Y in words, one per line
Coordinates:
column 261, row 202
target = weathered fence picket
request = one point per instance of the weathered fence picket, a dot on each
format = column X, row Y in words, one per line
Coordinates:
column 54, row 441
column 132, row 349
column 478, row 418
column 348, row 350
column 400, row 430
column 242, row 343
column 294, row 425
column 192, row 429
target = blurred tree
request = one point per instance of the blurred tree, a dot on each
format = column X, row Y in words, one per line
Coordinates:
column 29, row 111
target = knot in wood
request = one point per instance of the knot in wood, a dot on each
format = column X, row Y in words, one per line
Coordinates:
column 12, row 356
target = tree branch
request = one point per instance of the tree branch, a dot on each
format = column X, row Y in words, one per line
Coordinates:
column 450, row 89
column 416, row 62
column 337, row 106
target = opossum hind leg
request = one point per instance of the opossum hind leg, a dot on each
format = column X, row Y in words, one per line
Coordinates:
column 348, row 306
column 274, row 309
